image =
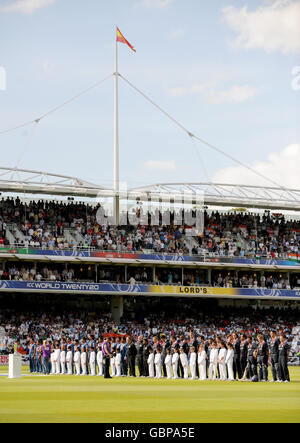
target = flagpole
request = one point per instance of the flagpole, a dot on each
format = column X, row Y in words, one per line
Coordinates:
column 116, row 141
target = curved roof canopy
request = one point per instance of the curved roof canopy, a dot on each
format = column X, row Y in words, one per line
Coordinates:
column 23, row 181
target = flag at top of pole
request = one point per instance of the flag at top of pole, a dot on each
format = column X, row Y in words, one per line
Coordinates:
column 122, row 39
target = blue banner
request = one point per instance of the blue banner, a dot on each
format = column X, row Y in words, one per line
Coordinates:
column 122, row 289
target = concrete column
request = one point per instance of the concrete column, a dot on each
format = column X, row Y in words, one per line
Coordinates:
column 209, row 276
column 96, row 272
column 117, row 308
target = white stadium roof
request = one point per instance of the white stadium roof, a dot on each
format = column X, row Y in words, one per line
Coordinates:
column 21, row 181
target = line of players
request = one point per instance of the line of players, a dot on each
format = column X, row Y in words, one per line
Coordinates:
column 239, row 358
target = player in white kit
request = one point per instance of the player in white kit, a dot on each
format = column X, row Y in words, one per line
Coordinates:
column 229, row 361
column 83, row 361
column 222, row 362
column 193, row 363
column 157, row 362
column 113, row 365
column 213, row 362
column 92, row 362
column 150, row 362
column 69, row 361
column 100, row 360
column 175, row 360
column 77, row 361
column 202, row 358
column 63, row 360
column 56, row 360
column 52, row 358
column 185, row 363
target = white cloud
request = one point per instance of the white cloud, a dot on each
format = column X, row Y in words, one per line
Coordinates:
column 272, row 27
column 152, row 165
column 157, row 3
column 281, row 168
column 182, row 91
column 236, row 94
column 26, row 6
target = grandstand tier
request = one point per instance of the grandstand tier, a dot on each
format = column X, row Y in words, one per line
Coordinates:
column 59, row 247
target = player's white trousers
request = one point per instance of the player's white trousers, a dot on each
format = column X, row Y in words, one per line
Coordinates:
column 230, row 370
column 151, row 370
column 223, row 372
column 83, row 369
column 52, row 368
column 186, row 372
column 100, row 369
column 202, row 371
column 158, row 370
column 175, row 369
column 77, row 367
column 193, row 371
column 69, row 368
column 93, row 368
column 212, row 371
column 118, row 370
column 169, row 372
column 113, row 367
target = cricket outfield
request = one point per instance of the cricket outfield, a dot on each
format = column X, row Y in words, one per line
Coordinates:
column 139, row 400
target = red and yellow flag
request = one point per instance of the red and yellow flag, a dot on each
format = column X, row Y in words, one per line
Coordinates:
column 122, row 39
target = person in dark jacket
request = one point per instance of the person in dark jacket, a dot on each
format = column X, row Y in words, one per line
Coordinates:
column 284, row 351
column 139, row 355
column 146, row 351
column 262, row 354
column 251, row 368
column 244, row 352
column 124, row 363
column 184, row 345
column 274, row 353
column 131, row 356
column 165, row 344
column 194, row 344
column 237, row 371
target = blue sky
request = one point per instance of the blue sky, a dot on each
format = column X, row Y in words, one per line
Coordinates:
column 222, row 68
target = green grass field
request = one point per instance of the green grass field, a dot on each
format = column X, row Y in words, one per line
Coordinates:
column 93, row 399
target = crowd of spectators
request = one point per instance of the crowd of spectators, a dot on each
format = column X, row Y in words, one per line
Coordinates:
column 43, row 224
column 257, row 280
column 77, row 325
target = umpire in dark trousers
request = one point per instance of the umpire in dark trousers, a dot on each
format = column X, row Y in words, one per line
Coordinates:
column 146, row 348
column 106, row 351
column 131, row 356
column 165, row 344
